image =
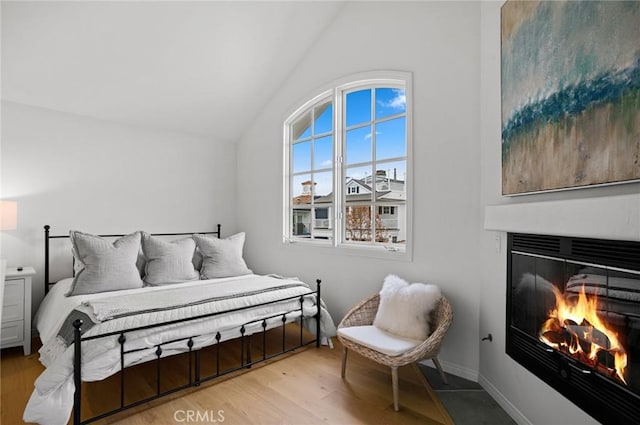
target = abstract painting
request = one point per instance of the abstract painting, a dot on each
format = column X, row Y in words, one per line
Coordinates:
column 570, row 94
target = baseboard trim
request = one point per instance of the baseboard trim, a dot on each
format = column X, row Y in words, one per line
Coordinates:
column 503, row 401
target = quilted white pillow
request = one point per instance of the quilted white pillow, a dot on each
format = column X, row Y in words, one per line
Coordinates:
column 105, row 265
column 221, row 257
column 168, row 261
column 404, row 308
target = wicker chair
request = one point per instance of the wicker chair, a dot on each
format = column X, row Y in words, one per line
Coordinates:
column 364, row 313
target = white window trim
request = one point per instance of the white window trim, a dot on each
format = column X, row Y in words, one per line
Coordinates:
column 335, row 90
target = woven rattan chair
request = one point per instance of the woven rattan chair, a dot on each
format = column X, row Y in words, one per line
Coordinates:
column 364, row 313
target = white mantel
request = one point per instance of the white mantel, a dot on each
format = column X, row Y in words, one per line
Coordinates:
column 609, row 217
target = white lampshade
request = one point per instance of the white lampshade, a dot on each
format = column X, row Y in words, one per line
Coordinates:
column 8, row 215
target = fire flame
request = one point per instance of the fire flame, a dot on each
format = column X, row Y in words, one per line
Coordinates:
column 588, row 344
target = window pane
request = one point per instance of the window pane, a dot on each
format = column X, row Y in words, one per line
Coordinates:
column 301, row 222
column 323, row 223
column 358, row 107
column 323, row 186
column 358, row 184
column 301, row 190
column 391, row 224
column 391, row 176
column 358, row 223
column 322, row 213
column 301, row 157
column 302, row 127
column 391, row 199
column 324, row 118
column 391, row 139
column 358, row 145
column 323, row 153
column 382, row 181
column 390, row 101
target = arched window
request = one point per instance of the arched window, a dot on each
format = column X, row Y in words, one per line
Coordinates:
column 347, row 165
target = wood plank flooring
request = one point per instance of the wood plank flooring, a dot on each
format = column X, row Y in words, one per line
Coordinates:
column 304, row 387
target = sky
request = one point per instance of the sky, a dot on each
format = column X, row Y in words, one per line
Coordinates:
column 390, row 138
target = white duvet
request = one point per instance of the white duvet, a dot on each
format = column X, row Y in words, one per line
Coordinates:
column 52, row 399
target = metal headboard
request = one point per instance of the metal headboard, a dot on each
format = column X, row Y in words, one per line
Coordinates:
column 47, row 236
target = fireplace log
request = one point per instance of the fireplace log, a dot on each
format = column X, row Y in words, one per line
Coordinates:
column 554, row 337
column 588, row 335
column 606, row 359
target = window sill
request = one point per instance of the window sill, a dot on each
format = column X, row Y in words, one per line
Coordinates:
column 370, row 251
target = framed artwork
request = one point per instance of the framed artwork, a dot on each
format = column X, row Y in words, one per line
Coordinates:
column 570, row 94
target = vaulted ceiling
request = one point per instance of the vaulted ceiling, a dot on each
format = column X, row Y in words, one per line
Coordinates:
column 204, row 67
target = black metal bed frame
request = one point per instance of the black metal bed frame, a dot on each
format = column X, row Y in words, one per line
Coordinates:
column 195, row 377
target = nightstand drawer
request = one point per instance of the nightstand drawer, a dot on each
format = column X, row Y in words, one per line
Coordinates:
column 13, row 302
column 12, row 332
column 16, row 308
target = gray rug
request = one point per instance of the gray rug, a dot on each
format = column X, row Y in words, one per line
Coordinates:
column 466, row 401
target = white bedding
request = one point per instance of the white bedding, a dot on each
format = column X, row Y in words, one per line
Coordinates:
column 52, row 399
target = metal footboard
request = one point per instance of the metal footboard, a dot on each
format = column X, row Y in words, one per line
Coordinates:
column 195, row 377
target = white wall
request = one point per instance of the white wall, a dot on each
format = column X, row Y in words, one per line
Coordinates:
column 438, row 42
column 527, row 398
column 73, row 172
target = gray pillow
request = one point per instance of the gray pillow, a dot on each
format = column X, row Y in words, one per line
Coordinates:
column 221, row 257
column 168, row 261
column 140, row 263
column 197, row 259
column 105, row 265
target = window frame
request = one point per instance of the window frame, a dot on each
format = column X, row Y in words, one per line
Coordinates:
column 337, row 91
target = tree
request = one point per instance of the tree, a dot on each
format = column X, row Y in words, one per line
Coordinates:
column 358, row 225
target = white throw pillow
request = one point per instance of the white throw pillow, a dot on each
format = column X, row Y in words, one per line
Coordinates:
column 221, row 257
column 404, row 308
column 105, row 265
column 169, row 261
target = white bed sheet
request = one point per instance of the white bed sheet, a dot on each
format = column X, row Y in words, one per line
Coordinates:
column 56, row 306
column 52, row 399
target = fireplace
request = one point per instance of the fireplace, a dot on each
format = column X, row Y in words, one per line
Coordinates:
column 573, row 319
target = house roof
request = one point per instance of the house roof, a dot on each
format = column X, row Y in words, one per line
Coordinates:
column 361, row 197
column 360, row 182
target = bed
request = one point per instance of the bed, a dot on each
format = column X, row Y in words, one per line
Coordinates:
column 90, row 334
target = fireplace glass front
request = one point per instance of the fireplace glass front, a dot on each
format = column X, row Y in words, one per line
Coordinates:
column 573, row 319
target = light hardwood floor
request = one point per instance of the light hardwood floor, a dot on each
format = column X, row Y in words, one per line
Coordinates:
column 304, row 387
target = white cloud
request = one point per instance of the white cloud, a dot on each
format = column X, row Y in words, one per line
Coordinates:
column 398, row 102
column 368, row 135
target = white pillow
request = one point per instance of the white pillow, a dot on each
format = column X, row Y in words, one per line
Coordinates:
column 221, row 257
column 168, row 261
column 141, row 262
column 105, row 265
column 197, row 259
column 404, row 308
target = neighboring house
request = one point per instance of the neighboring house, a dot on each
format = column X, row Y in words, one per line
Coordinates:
column 302, row 210
column 390, row 202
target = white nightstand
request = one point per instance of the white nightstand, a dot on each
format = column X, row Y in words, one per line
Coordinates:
column 16, row 309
